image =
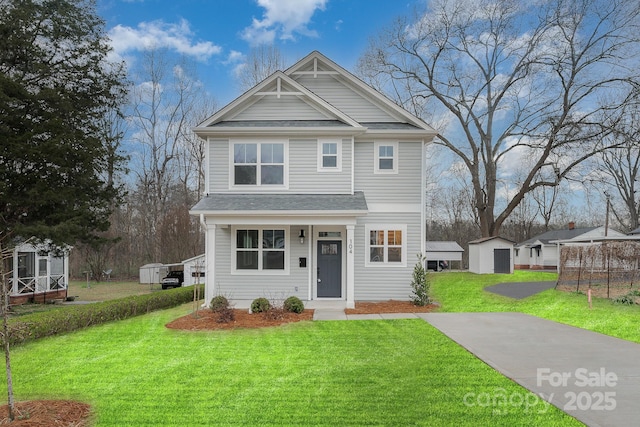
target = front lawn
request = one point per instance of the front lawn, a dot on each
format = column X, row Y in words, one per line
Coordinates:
column 464, row 292
column 398, row 372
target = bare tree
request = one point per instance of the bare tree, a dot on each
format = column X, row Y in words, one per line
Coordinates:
column 261, row 62
column 620, row 169
column 168, row 102
column 519, row 84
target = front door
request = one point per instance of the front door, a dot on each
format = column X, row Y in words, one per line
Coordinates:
column 329, row 269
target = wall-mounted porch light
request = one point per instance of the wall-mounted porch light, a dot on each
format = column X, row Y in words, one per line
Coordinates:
column 301, row 236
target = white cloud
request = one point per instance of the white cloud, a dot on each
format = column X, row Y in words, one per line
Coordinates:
column 158, row 34
column 283, row 19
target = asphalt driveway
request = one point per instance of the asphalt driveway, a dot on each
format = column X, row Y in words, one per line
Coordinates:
column 519, row 290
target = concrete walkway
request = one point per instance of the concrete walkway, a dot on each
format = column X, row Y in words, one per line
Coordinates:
column 593, row 377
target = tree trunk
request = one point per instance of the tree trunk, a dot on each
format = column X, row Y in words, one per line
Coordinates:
column 5, row 336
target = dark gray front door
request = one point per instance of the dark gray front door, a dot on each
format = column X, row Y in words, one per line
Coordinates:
column 329, row 269
column 501, row 261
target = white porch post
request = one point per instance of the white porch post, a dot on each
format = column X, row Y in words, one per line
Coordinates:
column 210, row 271
column 350, row 267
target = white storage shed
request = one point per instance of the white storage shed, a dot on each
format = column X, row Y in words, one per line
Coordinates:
column 491, row 255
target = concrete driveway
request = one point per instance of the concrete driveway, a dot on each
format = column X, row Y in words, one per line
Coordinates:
column 593, row 377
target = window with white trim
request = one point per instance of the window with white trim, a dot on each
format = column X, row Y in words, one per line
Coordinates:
column 260, row 249
column 386, row 157
column 258, row 164
column 329, row 155
column 386, row 245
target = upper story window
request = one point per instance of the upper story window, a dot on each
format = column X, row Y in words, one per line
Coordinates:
column 258, row 164
column 329, row 155
column 386, row 157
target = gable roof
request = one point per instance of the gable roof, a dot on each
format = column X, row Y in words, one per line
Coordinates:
column 316, row 63
column 486, row 239
column 259, row 109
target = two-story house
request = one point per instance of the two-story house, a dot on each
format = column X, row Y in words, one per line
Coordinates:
column 314, row 188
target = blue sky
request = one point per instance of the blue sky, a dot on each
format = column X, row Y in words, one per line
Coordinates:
column 218, row 34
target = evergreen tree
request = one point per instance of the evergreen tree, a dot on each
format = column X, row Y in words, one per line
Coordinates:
column 56, row 85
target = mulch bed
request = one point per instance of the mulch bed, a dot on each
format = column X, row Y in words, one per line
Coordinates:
column 48, row 413
column 208, row 320
column 391, row 306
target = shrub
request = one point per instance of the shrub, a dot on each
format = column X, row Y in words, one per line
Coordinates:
column 71, row 318
column 225, row 315
column 293, row 305
column 219, row 303
column 628, row 299
column 420, row 283
column 260, row 305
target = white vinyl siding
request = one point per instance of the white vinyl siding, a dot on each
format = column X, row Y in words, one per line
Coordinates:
column 304, row 176
column 218, row 157
column 393, row 280
column 261, row 284
column 402, row 187
column 284, row 108
column 345, row 99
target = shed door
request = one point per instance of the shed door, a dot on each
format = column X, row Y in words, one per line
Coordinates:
column 501, row 261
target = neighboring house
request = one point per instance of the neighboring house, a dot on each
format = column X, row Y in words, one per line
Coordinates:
column 447, row 251
column 541, row 252
column 491, row 255
column 314, row 188
column 37, row 275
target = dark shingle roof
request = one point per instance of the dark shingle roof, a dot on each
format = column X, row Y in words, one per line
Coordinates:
column 563, row 234
column 226, row 202
column 389, row 125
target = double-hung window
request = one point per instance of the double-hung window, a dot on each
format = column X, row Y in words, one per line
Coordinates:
column 329, row 155
column 258, row 164
column 386, row 157
column 260, row 249
column 386, row 245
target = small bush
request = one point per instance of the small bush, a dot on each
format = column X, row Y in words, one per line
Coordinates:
column 420, row 283
column 274, row 313
column 293, row 305
column 628, row 299
column 260, row 305
column 219, row 303
column 225, row 315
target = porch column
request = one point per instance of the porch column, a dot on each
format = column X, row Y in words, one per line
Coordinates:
column 210, row 256
column 350, row 267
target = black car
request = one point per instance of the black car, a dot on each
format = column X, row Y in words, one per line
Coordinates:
column 437, row 265
column 173, row 280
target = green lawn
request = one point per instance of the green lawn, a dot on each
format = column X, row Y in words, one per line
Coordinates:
column 401, row 372
column 464, row 292
column 393, row 372
column 102, row 291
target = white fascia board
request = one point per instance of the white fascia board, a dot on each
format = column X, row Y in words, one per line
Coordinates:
column 252, row 131
column 429, row 135
column 293, row 220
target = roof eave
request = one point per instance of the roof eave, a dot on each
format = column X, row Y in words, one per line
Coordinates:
column 277, row 213
column 204, row 132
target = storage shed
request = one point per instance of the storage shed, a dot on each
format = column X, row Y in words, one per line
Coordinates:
column 444, row 251
column 491, row 255
column 152, row 273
